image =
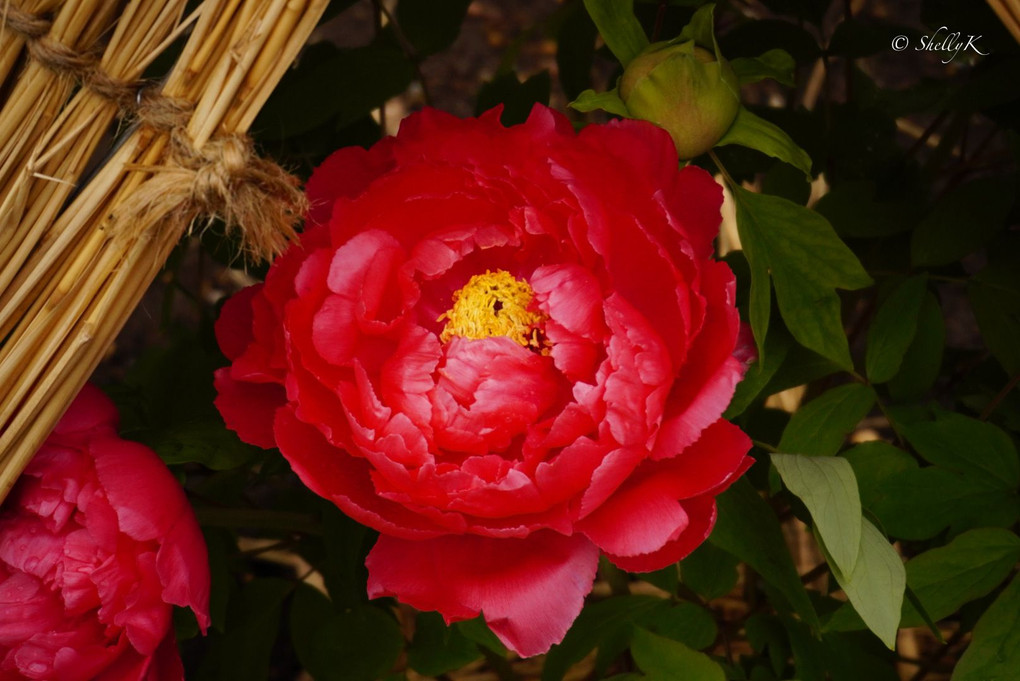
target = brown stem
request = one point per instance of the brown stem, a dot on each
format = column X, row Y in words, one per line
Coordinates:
column 660, row 18
column 814, row 573
column 990, row 407
column 930, row 662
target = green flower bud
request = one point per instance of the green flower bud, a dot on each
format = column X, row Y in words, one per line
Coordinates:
column 684, row 89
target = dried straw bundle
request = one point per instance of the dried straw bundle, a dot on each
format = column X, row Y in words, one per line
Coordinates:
column 1008, row 12
column 71, row 275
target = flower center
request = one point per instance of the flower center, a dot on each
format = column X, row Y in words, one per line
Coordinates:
column 495, row 304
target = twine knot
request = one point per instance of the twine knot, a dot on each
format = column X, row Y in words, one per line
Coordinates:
column 225, row 179
column 29, row 26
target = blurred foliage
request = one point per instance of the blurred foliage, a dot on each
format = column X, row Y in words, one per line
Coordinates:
column 894, row 298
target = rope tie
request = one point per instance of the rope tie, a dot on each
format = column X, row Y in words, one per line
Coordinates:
column 27, row 25
column 84, row 67
column 224, row 179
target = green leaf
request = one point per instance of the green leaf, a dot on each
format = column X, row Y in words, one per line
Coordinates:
column 923, row 358
column 766, row 631
column 516, row 97
column 994, row 650
column 967, row 568
column 820, row 427
column 748, row 529
column 700, row 29
column 995, row 297
column 775, row 64
column 757, row 133
column 310, row 610
column 220, row 544
column 610, row 101
column 981, row 451
column 575, row 50
column 853, row 656
column 828, row 488
column 784, row 180
column 360, row 644
column 437, row 648
column 687, row 623
column 243, row 652
column 894, row 327
column 709, row 571
column 801, row 366
column 962, row 221
column 874, row 462
column 876, row 585
column 918, row 503
column 667, row 578
column 431, row 26
column 855, row 211
column 619, row 27
column 807, row 262
column 662, row 658
column 758, row 375
column 808, row 651
column 596, row 626
column 359, row 79
column 206, row 441
column 478, row 631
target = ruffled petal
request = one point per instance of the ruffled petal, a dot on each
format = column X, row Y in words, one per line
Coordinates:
column 343, row 479
column 529, row 590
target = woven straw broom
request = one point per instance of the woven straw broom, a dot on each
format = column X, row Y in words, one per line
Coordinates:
column 77, row 252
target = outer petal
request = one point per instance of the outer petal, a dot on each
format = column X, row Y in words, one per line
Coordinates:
column 234, row 325
column 646, row 512
column 706, row 382
column 248, row 408
column 638, row 518
column 89, row 411
column 701, row 514
column 529, row 590
column 150, row 505
column 344, row 480
column 345, row 174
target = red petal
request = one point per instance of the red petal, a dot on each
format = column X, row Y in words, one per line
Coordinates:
column 646, row 511
column 248, row 408
column 701, row 514
column 91, row 409
column 345, row 174
column 639, row 518
column 710, row 374
column 343, row 479
column 150, row 505
column 529, row 590
column 234, row 325
column 719, row 456
column 694, row 201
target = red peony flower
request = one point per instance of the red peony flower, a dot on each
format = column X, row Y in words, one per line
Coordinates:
column 505, row 349
column 97, row 543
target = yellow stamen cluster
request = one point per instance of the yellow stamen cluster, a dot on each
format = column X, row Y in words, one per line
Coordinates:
column 495, row 304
